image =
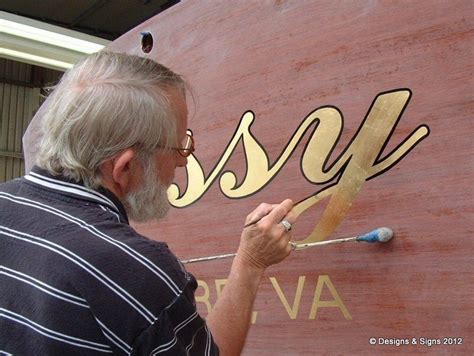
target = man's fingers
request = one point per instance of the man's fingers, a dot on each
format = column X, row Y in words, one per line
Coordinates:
column 272, row 214
column 261, row 211
column 267, row 242
column 279, row 212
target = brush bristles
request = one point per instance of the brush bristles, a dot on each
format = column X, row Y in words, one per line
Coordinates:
column 385, row 234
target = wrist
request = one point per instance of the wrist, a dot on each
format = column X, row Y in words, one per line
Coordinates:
column 246, row 260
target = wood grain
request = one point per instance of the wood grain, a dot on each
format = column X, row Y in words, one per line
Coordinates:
column 283, row 59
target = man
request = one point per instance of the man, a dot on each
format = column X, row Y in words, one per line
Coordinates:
column 76, row 278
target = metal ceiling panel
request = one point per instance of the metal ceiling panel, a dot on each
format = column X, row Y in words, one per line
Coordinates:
column 103, row 18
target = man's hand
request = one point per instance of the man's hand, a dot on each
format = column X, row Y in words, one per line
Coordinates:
column 266, row 242
column 261, row 245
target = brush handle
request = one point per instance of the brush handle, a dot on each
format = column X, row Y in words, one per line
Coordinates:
column 209, row 258
column 321, row 243
column 298, row 247
column 382, row 234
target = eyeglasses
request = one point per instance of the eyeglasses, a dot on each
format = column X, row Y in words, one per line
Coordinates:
column 187, row 146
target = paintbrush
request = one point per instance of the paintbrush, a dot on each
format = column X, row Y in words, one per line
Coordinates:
column 381, row 234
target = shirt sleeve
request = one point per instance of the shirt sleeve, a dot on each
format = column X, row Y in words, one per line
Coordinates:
column 142, row 297
column 178, row 330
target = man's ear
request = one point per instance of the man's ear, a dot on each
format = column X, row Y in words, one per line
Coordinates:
column 120, row 172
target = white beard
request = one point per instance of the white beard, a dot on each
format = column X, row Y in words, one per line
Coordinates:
column 150, row 201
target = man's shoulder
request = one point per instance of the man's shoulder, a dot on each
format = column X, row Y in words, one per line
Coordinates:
column 83, row 237
column 14, row 195
column 11, row 185
column 114, row 235
column 119, row 249
column 125, row 242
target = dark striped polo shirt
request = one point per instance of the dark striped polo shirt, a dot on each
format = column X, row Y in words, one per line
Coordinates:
column 76, row 279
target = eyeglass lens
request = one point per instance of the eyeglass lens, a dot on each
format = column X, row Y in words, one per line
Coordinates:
column 188, row 143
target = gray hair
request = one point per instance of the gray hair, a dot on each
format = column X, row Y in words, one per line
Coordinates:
column 106, row 103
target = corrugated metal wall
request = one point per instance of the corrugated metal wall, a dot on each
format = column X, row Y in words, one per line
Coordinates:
column 20, row 97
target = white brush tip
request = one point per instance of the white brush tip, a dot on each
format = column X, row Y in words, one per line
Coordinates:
column 385, row 234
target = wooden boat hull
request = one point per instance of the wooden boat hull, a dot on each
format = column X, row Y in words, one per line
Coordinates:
column 385, row 91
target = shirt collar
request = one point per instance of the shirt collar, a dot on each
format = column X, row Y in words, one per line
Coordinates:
column 69, row 187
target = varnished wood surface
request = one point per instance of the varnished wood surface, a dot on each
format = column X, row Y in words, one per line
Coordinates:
column 283, row 59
